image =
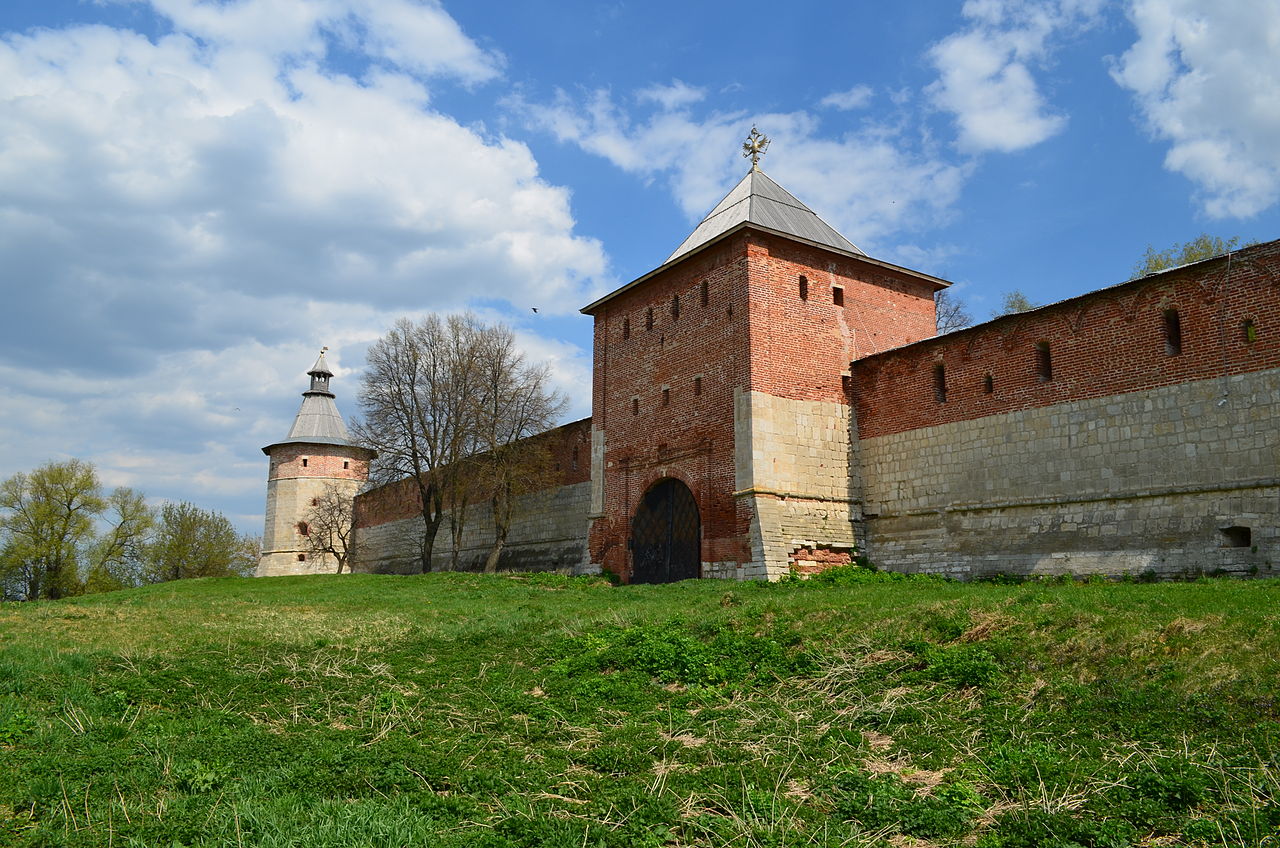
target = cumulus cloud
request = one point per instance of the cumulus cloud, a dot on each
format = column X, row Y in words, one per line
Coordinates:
column 871, row 184
column 986, row 76
column 1207, row 80
column 185, row 218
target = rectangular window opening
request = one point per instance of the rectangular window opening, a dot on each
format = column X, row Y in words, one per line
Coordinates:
column 705, row 294
column 1044, row 362
column 940, row 383
column 837, row 295
column 666, row 397
column 304, row 462
column 635, row 406
column 697, row 385
column 302, row 557
column 804, row 287
column 988, row 384
column 1236, row 537
column 626, row 328
column 1172, row 332
column 1249, row 330
column 846, row 383
column 675, row 307
column 575, row 458
column 648, row 318
column 346, row 464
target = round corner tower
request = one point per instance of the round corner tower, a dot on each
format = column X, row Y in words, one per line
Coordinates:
column 316, row 457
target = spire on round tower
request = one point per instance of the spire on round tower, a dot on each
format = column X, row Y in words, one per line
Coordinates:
column 317, row 460
column 320, row 375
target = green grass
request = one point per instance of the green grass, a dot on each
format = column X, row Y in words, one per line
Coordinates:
column 512, row 711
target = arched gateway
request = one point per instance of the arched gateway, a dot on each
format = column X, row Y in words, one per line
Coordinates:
column 666, row 535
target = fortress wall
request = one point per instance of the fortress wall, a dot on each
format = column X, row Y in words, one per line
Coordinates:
column 1147, row 481
column 548, row 530
column 1133, row 454
column 792, row 468
column 548, row 533
column 1104, row 343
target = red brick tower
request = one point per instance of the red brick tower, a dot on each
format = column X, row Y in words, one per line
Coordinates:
column 721, row 427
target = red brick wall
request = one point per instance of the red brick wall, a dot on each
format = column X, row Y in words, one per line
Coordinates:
column 1103, row 343
column 322, row 461
column 684, row 435
column 801, row 347
column 570, row 449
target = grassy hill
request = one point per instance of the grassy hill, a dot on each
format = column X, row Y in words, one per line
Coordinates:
column 463, row 710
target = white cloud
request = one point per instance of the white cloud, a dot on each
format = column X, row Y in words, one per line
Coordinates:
column 674, row 96
column 985, row 71
column 1207, row 79
column 870, row 184
column 854, row 98
column 185, row 220
column 417, row 35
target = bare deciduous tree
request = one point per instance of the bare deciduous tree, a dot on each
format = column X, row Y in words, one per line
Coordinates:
column 518, row 403
column 329, row 526
column 446, row 403
column 950, row 312
column 418, row 400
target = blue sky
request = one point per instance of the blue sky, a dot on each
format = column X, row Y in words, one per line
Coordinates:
column 196, row 196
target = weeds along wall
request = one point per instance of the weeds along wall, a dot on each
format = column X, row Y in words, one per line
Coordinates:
column 548, row 530
column 1130, row 430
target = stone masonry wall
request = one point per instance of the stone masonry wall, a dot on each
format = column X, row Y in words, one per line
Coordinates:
column 548, row 530
column 792, row 465
column 1128, row 430
column 548, row 533
column 1150, row 481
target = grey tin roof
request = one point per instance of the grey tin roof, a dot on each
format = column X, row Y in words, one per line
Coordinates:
column 318, row 421
column 759, row 200
column 321, row 367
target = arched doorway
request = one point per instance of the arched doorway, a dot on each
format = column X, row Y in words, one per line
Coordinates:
column 666, row 535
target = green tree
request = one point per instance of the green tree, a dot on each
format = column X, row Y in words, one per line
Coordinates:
column 194, row 542
column 1203, row 246
column 117, row 559
column 46, row 527
column 1014, row 301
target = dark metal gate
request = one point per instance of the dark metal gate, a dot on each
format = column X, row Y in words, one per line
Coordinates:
column 666, row 535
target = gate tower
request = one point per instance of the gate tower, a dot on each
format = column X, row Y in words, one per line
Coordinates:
column 722, row 433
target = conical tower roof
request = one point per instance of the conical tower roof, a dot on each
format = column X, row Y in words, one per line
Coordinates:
column 758, row 200
column 318, row 421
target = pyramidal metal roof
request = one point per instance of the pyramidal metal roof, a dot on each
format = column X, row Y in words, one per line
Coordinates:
column 318, row 421
column 758, row 200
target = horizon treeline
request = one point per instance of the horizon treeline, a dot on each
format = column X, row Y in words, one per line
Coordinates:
column 62, row 533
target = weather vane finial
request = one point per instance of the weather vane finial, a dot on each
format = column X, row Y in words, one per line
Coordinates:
column 754, row 147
